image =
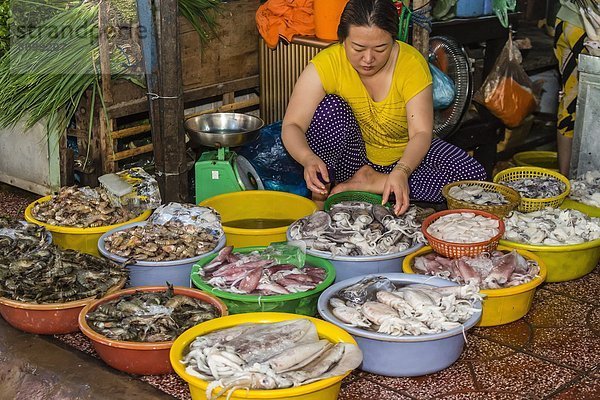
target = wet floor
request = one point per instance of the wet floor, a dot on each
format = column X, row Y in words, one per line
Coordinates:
column 552, row 353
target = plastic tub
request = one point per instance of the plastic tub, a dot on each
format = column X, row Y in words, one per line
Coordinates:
column 564, row 263
column 500, row 306
column 139, row 358
column 403, row 355
column 155, row 273
column 84, row 240
column 304, row 303
column 325, row 389
column 258, row 204
column 542, row 159
column 591, row 211
column 351, row 266
column 46, row 318
column 353, row 195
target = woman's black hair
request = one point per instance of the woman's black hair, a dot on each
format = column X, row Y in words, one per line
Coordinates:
column 379, row 13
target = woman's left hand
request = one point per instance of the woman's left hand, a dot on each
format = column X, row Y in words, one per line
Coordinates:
column 397, row 183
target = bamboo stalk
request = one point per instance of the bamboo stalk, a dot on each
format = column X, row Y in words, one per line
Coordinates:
column 127, row 132
column 121, row 155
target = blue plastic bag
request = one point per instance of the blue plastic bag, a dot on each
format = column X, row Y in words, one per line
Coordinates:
column 273, row 164
column 443, row 88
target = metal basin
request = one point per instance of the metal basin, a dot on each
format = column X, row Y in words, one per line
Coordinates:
column 222, row 129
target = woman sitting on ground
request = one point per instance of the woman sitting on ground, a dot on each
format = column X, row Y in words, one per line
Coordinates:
column 361, row 116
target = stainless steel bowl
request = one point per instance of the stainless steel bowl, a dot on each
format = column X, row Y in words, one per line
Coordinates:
column 222, row 129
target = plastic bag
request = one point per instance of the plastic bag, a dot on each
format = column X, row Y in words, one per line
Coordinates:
column 443, row 88
column 501, row 8
column 507, row 92
column 132, row 188
column 188, row 214
column 443, row 10
column 275, row 167
column 293, row 252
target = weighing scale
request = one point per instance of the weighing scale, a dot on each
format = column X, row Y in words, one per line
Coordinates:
column 222, row 170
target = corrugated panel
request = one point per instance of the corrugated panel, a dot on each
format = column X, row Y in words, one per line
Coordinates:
column 279, row 70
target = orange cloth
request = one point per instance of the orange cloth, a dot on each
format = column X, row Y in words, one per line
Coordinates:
column 285, row 18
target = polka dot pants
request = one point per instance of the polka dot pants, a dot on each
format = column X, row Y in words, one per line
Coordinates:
column 334, row 135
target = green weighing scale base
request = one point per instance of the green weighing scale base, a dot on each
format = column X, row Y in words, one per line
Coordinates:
column 215, row 176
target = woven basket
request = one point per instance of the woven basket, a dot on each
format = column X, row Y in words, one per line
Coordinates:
column 529, row 205
column 511, row 195
column 352, row 195
column 457, row 250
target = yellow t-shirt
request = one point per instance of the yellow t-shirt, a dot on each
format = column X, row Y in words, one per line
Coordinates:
column 383, row 123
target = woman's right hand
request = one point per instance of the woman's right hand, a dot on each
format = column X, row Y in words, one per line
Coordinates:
column 313, row 166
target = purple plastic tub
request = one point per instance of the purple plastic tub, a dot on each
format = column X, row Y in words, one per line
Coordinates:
column 156, row 273
column 402, row 355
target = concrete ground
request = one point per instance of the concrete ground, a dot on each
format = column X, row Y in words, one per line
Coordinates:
column 35, row 367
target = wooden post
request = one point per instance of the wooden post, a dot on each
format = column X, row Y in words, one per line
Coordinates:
column 164, row 82
column 420, row 36
column 104, row 47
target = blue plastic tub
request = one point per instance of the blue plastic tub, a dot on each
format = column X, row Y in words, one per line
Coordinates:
column 402, row 355
column 156, row 273
column 469, row 8
column 350, row 266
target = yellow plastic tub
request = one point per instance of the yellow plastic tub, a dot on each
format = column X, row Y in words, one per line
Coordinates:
column 584, row 208
column 265, row 205
column 325, row 389
column 84, row 240
column 500, row 306
column 564, row 263
column 542, row 159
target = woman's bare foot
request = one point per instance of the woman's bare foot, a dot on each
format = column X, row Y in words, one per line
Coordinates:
column 365, row 179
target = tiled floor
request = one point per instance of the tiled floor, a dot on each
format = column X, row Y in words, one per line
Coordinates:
column 554, row 352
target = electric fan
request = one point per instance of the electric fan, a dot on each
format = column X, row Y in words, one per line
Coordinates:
column 452, row 59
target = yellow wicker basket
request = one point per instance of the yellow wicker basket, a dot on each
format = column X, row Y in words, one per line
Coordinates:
column 511, row 195
column 529, row 205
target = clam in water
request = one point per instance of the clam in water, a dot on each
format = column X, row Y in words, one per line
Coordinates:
column 149, row 316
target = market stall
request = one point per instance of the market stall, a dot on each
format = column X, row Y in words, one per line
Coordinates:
column 191, row 277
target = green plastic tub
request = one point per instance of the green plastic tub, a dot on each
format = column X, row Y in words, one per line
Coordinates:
column 304, row 303
column 353, row 195
column 535, row 158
